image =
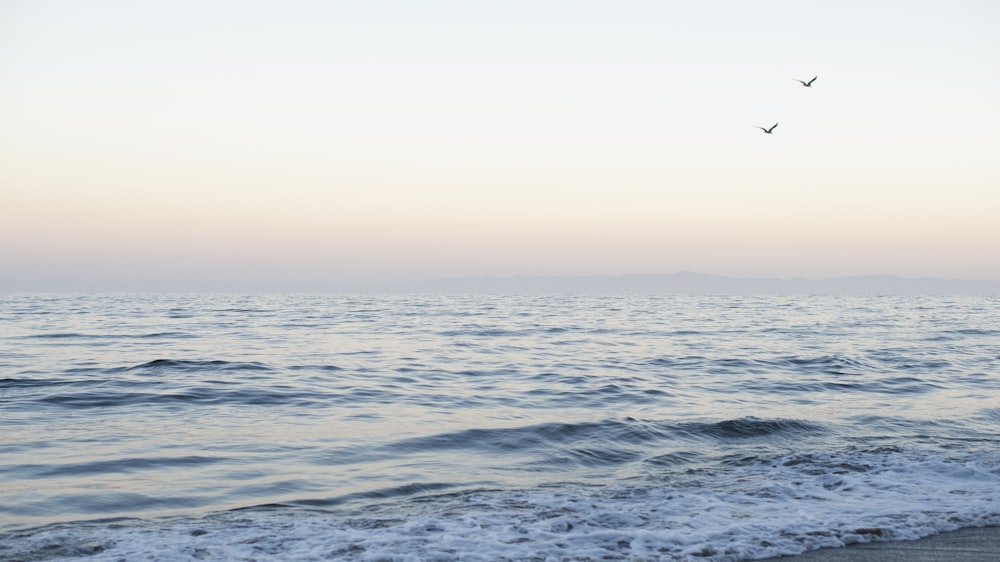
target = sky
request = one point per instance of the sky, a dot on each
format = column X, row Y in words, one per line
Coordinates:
column 318, row 143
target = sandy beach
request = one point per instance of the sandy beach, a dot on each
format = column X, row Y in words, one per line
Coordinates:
column 981, row 544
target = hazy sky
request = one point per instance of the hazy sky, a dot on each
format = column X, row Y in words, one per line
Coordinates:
column 308, row 141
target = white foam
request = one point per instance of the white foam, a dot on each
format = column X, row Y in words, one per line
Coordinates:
column 786, row 506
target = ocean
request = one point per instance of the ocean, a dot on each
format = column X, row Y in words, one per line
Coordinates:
column 477, row 427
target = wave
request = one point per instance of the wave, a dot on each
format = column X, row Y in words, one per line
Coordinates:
column 606, row 436
column 37, row 383
column 204, row 395
column 880, row 372
column 321, row 368
column 122, row 465
column 388, row 493
column 875, row 362
column 762, row 507
column 975, row 332
column 827, row 364
column 195, row 365
column 754, row 427
column 77, row 335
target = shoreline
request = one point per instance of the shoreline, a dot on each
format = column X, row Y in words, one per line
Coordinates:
column 971, row 544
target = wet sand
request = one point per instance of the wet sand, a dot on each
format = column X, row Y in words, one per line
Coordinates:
column 981, row 544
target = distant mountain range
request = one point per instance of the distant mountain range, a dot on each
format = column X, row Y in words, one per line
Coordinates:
column 683, row 282
column 686, row 282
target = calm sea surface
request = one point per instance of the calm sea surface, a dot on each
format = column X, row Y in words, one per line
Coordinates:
column 212, row 427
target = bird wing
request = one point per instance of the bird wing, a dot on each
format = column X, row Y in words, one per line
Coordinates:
column 772, row 127
column 813, row 80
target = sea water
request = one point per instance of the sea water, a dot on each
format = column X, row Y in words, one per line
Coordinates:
column 409, row 427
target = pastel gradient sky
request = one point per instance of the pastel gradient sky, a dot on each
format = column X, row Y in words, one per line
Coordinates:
column 379, row 141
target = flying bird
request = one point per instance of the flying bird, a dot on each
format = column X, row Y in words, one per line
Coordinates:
column 808, row 84
column 768, row 131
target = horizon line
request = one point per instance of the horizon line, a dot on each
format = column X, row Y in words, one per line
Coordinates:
column 684, row 281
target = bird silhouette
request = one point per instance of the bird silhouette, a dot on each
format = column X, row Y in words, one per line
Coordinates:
column 768, row 131
column 808, row 84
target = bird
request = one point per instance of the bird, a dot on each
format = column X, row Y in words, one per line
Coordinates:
column 808, row 84
column 768, row 131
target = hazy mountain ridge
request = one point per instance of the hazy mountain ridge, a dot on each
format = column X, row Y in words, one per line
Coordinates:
column 687, row 282
column 682, row 282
